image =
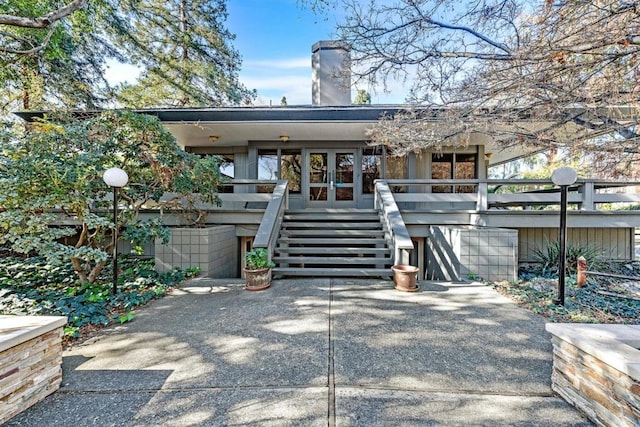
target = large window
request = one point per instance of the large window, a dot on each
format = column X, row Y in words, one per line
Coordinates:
column 373, row 167
column 396, row 168
column 227, row 167
column 280, row 164
column 453, row 166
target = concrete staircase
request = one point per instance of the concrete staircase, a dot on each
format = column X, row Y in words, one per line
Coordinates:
column 332, row 242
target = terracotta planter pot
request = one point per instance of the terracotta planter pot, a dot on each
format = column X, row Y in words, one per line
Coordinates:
column 405, row 277
column 257, row 280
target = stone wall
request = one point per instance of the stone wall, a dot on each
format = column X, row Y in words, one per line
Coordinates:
column 31, row 355
column 213, row 249
column 596, row 368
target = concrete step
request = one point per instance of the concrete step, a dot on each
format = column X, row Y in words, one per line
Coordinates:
column 332, row 272
column 332, row 233
column 330, row 211
column 332, row 225
column 332, row 243
column 331, row 260
column 335, row 217
column 341, row 250
column 350, row 240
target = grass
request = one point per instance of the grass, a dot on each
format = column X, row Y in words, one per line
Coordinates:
column 601, row 300
column 31, row 286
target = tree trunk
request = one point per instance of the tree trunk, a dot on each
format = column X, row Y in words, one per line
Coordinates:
column 82, row 274
column 25, row 88
column 77, row 266
column 96, row 270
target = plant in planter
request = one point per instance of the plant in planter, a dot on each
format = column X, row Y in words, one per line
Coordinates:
column 257, row 273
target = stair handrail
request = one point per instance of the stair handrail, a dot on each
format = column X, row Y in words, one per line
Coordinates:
column 399, row 238
column 269, row 230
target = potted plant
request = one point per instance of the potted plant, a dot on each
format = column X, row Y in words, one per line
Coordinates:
column 257, row 272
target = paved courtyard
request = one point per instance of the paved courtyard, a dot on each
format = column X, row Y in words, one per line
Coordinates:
column 313, row 352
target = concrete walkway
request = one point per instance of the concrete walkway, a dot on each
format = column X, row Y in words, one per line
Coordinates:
column 313, row 353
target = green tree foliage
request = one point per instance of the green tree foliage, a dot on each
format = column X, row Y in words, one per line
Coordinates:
column 184, row 50
column 362, row 97
column 182, row 46
column 54, row 202
column 57, row 65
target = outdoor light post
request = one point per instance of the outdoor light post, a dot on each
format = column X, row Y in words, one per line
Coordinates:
column 563, row 177
column 115, row 178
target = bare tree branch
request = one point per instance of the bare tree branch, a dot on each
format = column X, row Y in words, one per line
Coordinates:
column 544, row 74
column 45, row 20
column 31, row 51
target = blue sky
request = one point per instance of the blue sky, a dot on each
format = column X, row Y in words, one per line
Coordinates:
column 274, row 38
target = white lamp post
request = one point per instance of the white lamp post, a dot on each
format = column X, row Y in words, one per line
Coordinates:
column 115, row 178
column 563, row 177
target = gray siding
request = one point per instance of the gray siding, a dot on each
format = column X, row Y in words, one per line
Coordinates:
column 616, row 243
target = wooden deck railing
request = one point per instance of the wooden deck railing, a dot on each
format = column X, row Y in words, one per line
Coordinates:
column 511, row 193
column 399, row 238
column 267, row 234
column 245, row 193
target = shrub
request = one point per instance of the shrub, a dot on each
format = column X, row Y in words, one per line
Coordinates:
column 258, row 258
column 547, row 257
column 52, row 187
column 33, row 286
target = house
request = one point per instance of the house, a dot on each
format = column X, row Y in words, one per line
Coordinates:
column 307, row 186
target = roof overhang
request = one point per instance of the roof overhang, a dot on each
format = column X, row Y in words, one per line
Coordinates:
column 238, row 126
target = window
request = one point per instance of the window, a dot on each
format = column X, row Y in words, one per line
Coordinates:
column 280, row 164
column 373, row 167
column 396, row 168
column 227, row 170
column 453, row 166
column 465, row 168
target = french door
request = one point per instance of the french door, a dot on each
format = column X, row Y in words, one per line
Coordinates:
column 331, row 175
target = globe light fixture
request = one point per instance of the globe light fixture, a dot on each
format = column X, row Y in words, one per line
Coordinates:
column 563, row 177
column 115, row 178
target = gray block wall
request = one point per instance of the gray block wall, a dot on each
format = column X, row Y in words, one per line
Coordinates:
column 473, row 252
column 213, row 249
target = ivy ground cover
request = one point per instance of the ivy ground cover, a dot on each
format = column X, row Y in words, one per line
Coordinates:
column 31, row 286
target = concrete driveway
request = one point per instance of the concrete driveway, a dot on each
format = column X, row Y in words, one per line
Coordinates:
column 313, row 352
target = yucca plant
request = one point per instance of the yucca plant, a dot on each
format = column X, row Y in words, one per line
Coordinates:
column 548, row 256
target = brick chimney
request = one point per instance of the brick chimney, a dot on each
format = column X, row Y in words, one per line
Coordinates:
column 331, row 73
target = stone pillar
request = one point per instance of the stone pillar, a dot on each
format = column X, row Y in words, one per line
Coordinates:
column 31, row 355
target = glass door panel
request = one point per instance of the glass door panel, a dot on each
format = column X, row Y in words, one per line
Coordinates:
column 318, row 177
column 344, row 168
column 318, row 168
column 331, row 178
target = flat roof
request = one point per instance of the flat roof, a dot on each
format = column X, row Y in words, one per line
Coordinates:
column 349, row 113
